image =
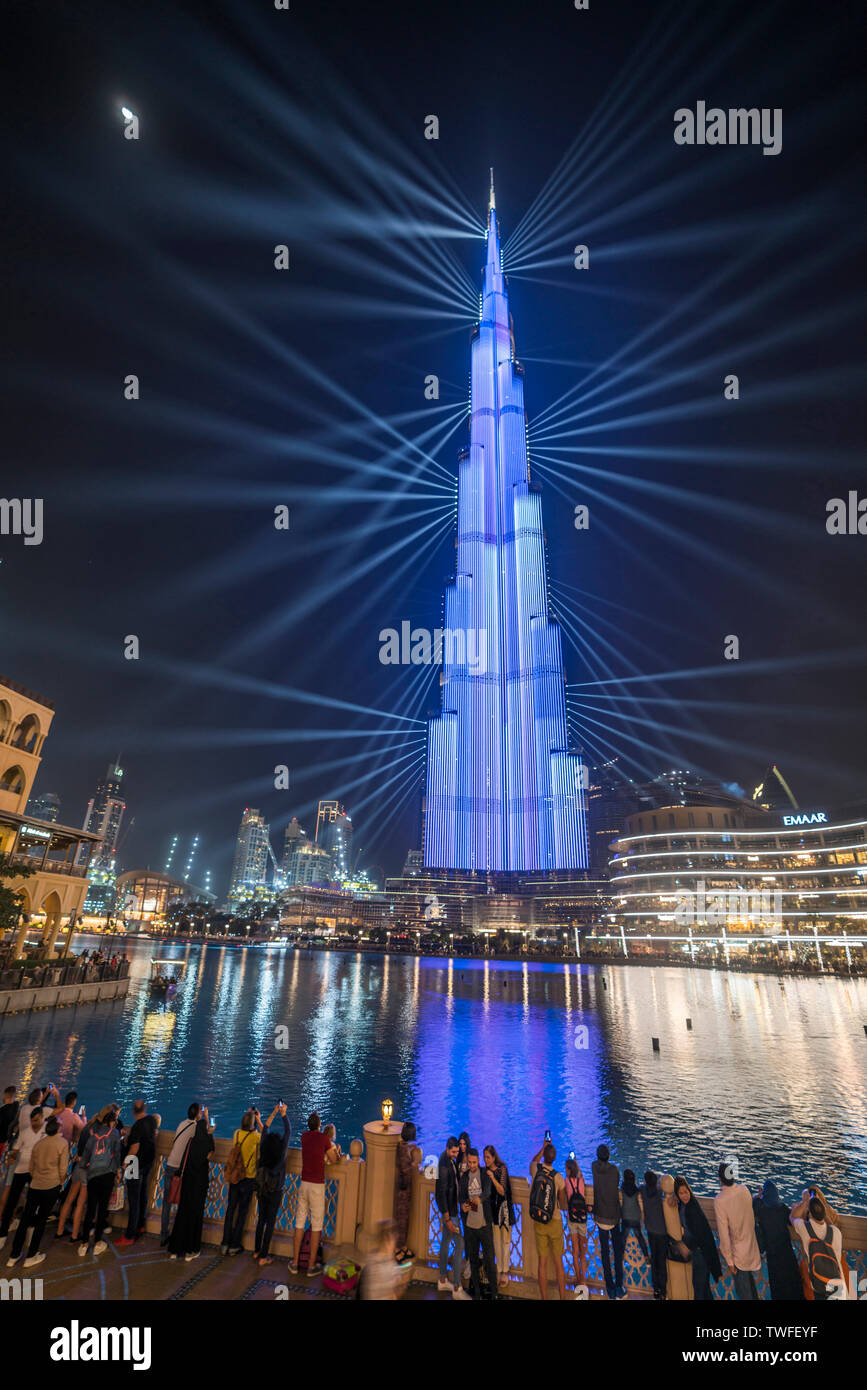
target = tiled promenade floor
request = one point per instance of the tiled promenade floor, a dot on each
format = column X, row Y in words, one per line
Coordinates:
column 143, row 1271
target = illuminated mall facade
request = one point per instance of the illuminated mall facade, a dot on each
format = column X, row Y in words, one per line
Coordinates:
column 779, row 873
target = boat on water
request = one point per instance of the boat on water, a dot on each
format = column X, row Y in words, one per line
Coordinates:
column 166, row 977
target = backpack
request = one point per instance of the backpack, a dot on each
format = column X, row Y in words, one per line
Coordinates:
column 234, row 1169
column 577, row 1207
column 543, row 1195
column 822, row 1265
column 100, row 1160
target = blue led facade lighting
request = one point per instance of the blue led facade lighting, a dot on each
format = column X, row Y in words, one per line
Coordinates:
column 504, row 792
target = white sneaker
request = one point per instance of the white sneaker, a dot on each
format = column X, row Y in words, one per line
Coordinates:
column 82, row 1249
column 33, row 1260
column 461, row 1293
column 445, row 1286
column 194, row 1256
column 99, row 1247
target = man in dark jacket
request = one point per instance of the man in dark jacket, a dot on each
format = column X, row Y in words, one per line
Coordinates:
column 474, row 1194
column 606, row 1213
column 449, row 1208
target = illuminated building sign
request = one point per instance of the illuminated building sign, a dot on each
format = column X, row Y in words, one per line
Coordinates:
column 32, row 830
column 808, row 818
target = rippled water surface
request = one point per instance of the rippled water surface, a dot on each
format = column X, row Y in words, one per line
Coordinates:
column 774, row 1074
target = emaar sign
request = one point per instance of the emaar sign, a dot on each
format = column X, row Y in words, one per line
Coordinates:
column 808, row 818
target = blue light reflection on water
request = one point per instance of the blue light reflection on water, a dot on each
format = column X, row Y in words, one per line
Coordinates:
column 772, row 1073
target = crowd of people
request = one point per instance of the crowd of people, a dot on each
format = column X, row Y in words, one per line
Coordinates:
column 110, row 1168
column 677, row 1244
column 112, row 1163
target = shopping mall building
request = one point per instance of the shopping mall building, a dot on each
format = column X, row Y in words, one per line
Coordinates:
column 705, row 871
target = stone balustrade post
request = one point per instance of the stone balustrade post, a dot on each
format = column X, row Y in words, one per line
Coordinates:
column 380, row 1142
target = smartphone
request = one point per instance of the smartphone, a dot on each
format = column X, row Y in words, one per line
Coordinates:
column 547, row 1136
column 81, row 1109
column 572, row 1153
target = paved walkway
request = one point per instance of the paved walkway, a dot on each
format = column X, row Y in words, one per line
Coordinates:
column 144, row 1272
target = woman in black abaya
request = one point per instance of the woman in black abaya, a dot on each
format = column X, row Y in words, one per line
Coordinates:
column 773, row 1220
column 186, row 1237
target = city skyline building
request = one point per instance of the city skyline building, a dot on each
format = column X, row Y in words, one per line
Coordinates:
column 503, row 789
column 308, row 863
column 334, row 836
column 44, row 806
column 252, row 849
column 106, row 809
column 103, row 817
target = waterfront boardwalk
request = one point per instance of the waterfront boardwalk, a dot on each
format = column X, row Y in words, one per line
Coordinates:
column 144, row 1272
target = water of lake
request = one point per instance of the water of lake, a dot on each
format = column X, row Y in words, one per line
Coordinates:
column 772, row 1074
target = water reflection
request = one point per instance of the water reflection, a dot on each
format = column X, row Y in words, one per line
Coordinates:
column 772, row 1073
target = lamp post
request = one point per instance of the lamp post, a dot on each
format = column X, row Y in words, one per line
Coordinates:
column 387, row 1112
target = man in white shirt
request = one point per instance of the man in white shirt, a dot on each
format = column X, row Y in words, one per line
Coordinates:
column 29, row 1135
column 823, row 1247
column 736, row 1224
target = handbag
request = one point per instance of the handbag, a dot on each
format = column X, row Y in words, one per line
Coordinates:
column 174, row 1195
column 678, row 1252
column 117, row 1200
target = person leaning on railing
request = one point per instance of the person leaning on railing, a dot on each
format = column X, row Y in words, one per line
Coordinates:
column 270, row 1180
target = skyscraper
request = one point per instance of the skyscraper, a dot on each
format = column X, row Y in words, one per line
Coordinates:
column 503, row 789
column 103, row 817
column 334, row 835
column 105, row 811
column 45, row 806
column 250, row 867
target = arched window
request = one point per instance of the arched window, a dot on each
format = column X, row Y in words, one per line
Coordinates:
column 12, row 781
column 27, row 733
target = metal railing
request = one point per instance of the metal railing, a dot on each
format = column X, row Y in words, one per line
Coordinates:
column 39, row 976
column 425, row 1231
column 51, row 866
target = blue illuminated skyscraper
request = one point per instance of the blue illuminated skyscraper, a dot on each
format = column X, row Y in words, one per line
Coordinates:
column 504, row 793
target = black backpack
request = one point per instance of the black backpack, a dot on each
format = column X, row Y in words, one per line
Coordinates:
column 577, row 1207
column 543, row 1195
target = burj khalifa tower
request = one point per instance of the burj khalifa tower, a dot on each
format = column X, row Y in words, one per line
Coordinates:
column 504, row 792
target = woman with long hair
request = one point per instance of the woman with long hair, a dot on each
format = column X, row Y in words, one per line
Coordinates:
column 502, row 1211
column 698, row 1238
column 270, row 1180
column 576, row 1217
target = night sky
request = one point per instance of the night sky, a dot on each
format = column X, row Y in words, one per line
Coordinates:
column 261, row 388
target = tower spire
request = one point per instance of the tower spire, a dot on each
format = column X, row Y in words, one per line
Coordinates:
column 504, row 792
